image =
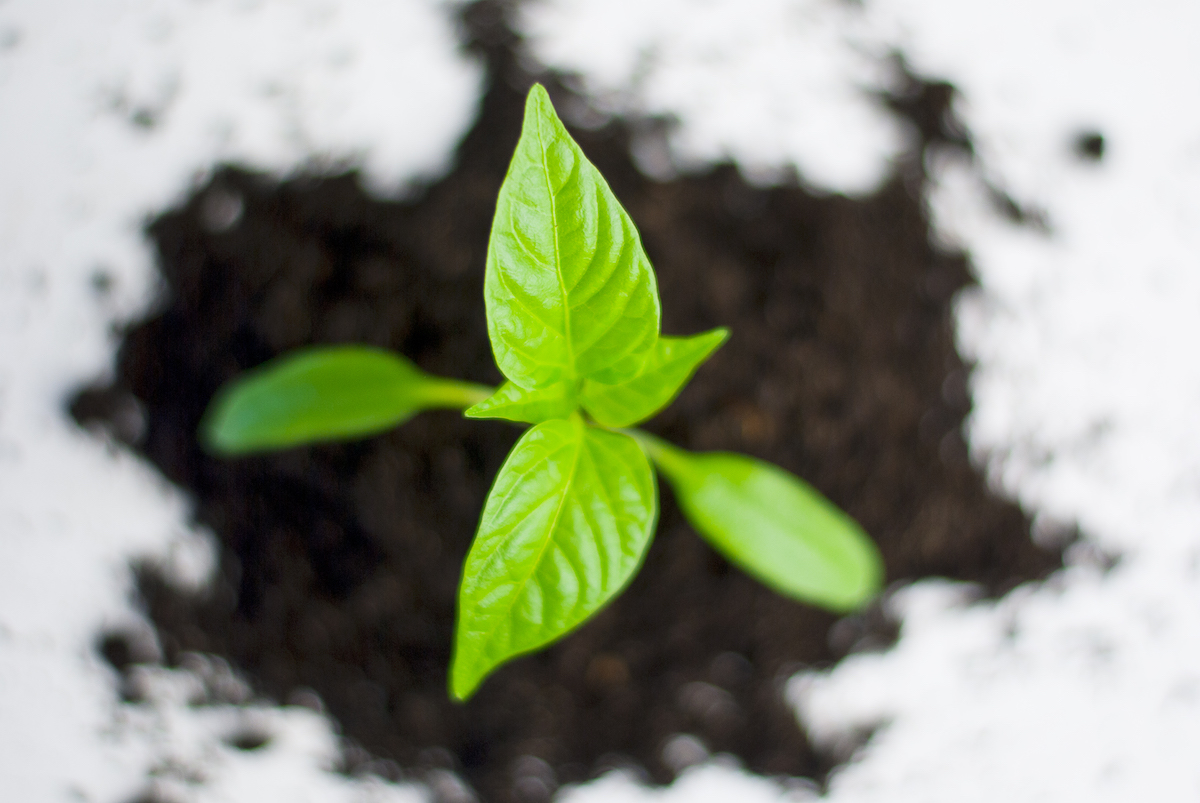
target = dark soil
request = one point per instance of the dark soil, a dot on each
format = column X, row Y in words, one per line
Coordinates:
column 340, row 563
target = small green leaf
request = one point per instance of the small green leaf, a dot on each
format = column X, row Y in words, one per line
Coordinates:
column 515, row 403
column 564, row 528
column 773, row 525
column 320, row 394
column 665, row 371
column 569, row 291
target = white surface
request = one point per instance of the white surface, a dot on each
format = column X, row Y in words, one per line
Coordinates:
column 272, row 84
column 1087, row 688
column 772, row 83
column 1086, row 401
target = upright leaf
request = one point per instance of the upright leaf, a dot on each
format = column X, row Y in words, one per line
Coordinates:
column 323, row 394
column 569, row 290
column 666, row 369
column 564, row 528
column 773, row 525
column 515, row 403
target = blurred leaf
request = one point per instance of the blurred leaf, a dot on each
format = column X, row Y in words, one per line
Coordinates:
column 773, row 525
column 321, row 394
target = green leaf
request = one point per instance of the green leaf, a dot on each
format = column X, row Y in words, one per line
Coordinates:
column 773, row 525
column 569, row 291
column 515, row 403
column 564, row 528
column 319, row 394
column 665, row 371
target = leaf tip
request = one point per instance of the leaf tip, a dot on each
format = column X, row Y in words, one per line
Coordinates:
column 460, row 692
column 713, row 339
column 219, row 433
column 873, row 577
column 465, row 676
column 217, row 446
column 538, row 104
column 537, row 96
column 539, row 107
column 862, row 586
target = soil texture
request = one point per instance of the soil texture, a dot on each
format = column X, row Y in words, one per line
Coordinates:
column 340, row 563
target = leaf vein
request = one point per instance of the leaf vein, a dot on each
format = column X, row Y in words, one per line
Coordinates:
column 509, row 612
column 503, row 279
column 558, row 268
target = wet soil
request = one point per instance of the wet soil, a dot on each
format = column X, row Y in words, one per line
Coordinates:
column 339, row 563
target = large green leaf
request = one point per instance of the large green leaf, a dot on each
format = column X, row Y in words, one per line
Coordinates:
column 515, row 403
column 666, row 369
column 564, row 528
column 320, row 394
column 569, row 291
column 773, row 525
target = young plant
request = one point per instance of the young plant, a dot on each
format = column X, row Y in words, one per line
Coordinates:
column 573, row 318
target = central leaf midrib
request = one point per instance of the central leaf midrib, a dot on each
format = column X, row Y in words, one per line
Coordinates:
column 549, row 537
column 558, row 269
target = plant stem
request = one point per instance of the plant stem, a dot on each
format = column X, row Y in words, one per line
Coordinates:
column 455, row 395
column 670, row 459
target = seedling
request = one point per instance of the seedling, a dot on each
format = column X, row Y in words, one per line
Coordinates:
column 573, row 318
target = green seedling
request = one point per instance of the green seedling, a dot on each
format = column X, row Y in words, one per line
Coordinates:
column 573, row 317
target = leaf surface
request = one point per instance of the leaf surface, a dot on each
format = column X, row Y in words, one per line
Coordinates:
column 773, row 525
column 568, row 288
column 322, row 394
column 564, row 528
column 515, row 403
column 667, row 368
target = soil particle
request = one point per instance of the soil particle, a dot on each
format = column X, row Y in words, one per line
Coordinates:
column 340, row 563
